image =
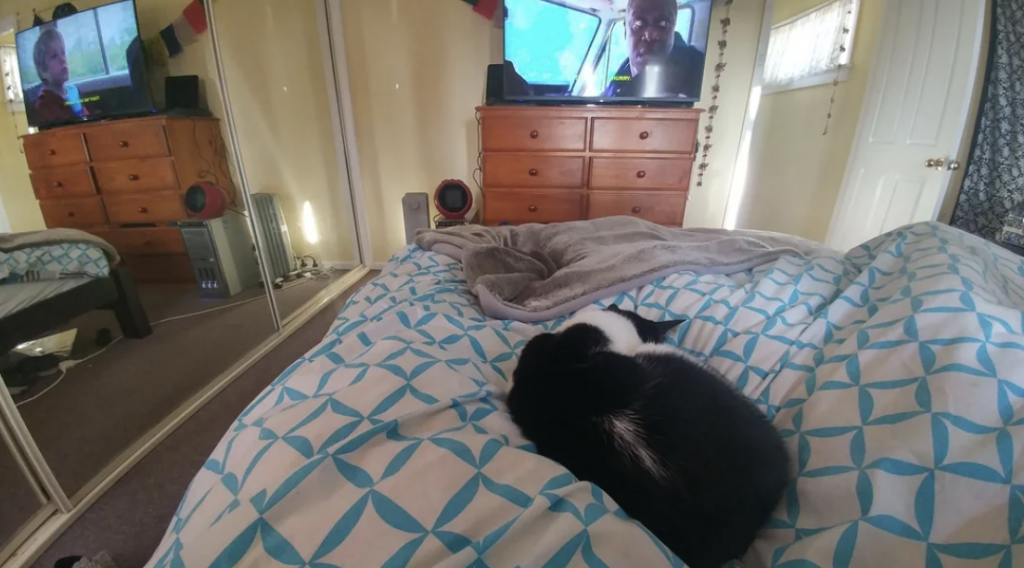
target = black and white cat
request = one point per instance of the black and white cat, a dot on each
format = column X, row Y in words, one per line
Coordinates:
column 668, row 438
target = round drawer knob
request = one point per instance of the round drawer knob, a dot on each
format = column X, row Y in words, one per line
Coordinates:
column 58, row 184
column 52, row 152
column 533, row 173
column 641, row 174
column 147, row 243
column 123, row 143
column 71, row 213
column 636, row 210
column 645, row 135
column 133, row 177
column 532, row 209
column 534, row 134
column 143, row 210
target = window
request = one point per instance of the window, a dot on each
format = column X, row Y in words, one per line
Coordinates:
column 11, row 78
column 96, row 43
column 806, row 50
column 618, row 51
column 548, row 42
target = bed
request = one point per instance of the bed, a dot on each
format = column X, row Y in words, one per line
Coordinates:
column 49, row 278
column 894, row 372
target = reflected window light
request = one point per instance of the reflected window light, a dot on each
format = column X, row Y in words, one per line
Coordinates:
column 309, row 227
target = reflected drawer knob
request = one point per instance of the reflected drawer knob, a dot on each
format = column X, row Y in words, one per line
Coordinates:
column 534, row 134
column 133, row 177
column 58, row 184
column 532, row 209
column 641, row 174
column 645, row 135
column 143, row 210
column 71, row 213
column 533, row 172
column 636, row 210
column 123, row 143
column 52, row 152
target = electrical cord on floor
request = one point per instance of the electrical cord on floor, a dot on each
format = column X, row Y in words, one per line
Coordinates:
column 65, row 366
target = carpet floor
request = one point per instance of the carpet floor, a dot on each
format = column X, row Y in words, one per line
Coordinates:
column 130, row 519
column 104, row 405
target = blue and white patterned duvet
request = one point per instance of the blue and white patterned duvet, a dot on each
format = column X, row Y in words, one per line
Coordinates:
column 53, row 262
column 895, row 373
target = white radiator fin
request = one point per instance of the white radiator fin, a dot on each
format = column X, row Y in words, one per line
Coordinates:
column 274, row 230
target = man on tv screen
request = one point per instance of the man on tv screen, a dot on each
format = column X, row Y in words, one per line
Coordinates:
column 660, row 62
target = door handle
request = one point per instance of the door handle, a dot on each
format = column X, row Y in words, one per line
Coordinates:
column 942, row 164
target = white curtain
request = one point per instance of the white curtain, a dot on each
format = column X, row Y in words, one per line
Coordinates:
column 808, row 45
column 11, row 76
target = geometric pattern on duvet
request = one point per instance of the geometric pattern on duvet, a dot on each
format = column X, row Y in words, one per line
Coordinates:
column 895, row 374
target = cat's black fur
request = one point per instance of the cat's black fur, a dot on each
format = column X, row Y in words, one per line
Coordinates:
column 721, row 467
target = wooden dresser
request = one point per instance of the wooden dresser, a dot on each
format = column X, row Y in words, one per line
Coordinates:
column 124, row 181
column 552, row 164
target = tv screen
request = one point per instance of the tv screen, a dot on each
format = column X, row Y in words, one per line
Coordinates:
column 88, row 66
column 606, row 50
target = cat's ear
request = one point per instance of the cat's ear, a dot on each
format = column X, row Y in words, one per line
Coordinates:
column 615, row 308
column 664, row 327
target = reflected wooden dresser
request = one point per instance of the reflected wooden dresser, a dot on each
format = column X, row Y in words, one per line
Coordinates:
column 125, row 180
column 552, row 164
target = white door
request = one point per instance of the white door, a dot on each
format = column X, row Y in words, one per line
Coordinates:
column 913, row 118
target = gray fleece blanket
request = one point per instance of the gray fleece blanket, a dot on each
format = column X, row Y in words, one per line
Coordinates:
column 536, row 272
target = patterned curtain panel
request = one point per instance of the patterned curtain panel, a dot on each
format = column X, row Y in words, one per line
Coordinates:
column 994, row 185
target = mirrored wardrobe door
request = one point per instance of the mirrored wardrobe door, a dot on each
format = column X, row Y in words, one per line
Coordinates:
column 278, row 70
column 23, row 501
column 172, row 298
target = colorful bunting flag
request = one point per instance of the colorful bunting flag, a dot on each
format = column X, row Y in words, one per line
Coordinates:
column 486, row 8
column 195, row 14
column 171, row 41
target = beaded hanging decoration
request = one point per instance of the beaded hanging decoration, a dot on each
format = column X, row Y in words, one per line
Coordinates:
column 716, row 88
column 844, row 34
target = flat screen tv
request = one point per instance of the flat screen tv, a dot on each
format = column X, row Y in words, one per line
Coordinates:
column 88, row 66
column 628, row 51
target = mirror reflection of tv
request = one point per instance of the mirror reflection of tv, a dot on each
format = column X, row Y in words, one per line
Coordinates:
column 88, row 66
column 609, row 51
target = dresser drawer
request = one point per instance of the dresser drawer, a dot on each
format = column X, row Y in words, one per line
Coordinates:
column 157, row 207
column 661, row 208
column 524, row 171
column 136, row 175
column 76, row 212
column 53, row 149
column 57, row 183
column 640, row 173
column 529, row 207
column 527, row 134
column 629, row 135
column 141, row 242
column 127, row 141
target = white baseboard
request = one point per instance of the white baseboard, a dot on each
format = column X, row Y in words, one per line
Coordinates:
column 342, row 264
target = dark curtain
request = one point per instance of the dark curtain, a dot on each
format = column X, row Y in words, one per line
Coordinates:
column 994, row 184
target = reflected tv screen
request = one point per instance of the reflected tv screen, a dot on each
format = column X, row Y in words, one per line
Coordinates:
column 605, row 50
column 88, row 66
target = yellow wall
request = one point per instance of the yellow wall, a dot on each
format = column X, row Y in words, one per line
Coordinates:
column 796, row 173
column 15, row 187
column 417, row 71
column 707, row 204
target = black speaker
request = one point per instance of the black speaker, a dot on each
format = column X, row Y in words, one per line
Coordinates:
column 495, row 84
column 182, row 92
